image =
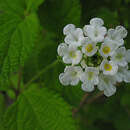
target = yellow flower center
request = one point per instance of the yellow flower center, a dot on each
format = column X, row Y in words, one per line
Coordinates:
column 119, row 56
column 107, row 67
column 90, row 75
column 89, row 48
column 106, row 49
column 72, row 54
column 73, row 74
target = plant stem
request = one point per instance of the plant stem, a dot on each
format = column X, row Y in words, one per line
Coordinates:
column 85, row 101
column 95, row 97
column 41, row 72
column 82, row 102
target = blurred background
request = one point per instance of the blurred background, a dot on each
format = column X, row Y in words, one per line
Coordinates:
column 102, row 113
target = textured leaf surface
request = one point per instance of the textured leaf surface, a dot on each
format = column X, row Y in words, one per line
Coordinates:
column 39, row 110
column 18, row 32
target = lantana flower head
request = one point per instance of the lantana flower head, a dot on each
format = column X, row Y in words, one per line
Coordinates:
column 95, row 57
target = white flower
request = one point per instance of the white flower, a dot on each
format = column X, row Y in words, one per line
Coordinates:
column 71, row 75
column 106, row 84
column 119, row 57
column 117, row 35
column 128, row 55
column 89, row 48
column 68, row 29
column 123, row 74
column 89, row 78
column 95, row 30
column 108, row 67
column 74, row 37
column 107, row 48
column 69, row 53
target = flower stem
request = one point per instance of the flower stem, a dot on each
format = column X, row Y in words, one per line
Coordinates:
column 41, row 72
column 82, row 102
column 85, row 101
column 95, row 97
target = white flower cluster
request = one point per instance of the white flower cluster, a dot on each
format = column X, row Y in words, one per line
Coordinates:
column 94, row 56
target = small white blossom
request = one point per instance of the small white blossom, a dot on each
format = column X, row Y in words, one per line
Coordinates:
column 116, row 35
column 95, row 30
column 106, row 84
column 69, row 53
column 88, row 47
column 71, row 75
column 119, row 57
column 107, row 48
column 123, row 74
column 108, row 67
column 75, row 37
column 89, row 78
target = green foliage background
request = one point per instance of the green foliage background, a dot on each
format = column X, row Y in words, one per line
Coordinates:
column 31, row 97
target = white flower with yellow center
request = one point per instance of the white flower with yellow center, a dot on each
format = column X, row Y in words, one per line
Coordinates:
column 88, row 47
column 107, row 48
column 108, row 67
column 74, row 37
column 89, row 78
column 71, row 75
column 119, row 57
column 69, row 53
column 95, row 30
column 106, row 84
column 116, row 35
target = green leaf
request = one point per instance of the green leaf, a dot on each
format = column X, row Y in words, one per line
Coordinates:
column 19, row 30
column 38, row 109
column 32, row 5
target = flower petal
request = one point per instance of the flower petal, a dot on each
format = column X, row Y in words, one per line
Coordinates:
column 121, row 32
column 68, row 29
column 110, row 90
column 88, row 87
column 63, row 79
column 62, row 49
column 78, row 58
column 96, row 22
column 67, row 60
column 128, row 55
